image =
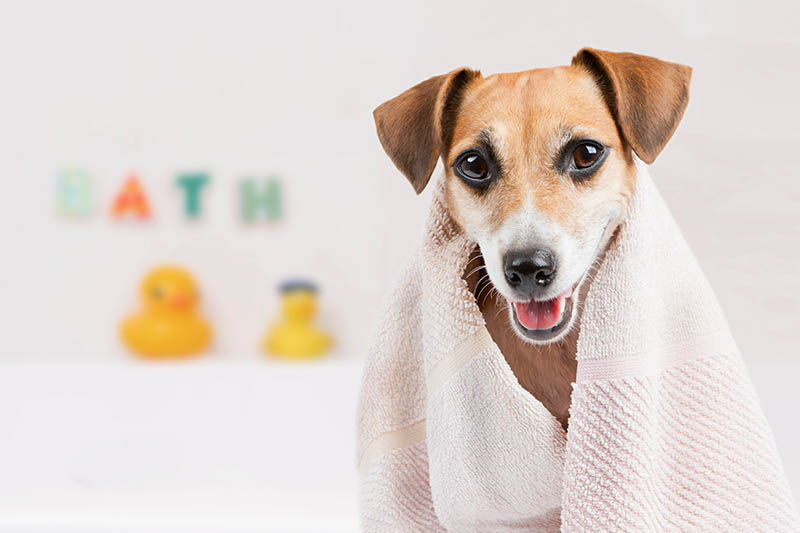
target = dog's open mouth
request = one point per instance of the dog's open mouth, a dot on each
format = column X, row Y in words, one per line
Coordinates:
column 546, row 320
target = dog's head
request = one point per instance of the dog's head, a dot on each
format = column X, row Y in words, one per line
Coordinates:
column 539, row 165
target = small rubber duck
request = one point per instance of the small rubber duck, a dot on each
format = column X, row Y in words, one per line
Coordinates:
column 296, row 337
column 167, row 326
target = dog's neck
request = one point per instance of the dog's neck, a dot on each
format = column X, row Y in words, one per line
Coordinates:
column 545, row 371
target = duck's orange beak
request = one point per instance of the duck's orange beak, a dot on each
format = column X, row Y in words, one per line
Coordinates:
column 180, row 302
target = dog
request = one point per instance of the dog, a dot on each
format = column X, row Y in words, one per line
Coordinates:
column 539, row 170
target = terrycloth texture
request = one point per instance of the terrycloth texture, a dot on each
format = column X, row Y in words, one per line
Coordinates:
column 665, row 429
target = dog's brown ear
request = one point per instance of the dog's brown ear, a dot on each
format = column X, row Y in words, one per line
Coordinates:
column 647, row 96
column 414, row 127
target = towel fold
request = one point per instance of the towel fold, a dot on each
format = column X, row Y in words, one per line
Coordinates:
column 665, row 429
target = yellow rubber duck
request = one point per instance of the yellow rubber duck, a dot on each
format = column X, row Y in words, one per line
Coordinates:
column 167, row 326
column 296, row 338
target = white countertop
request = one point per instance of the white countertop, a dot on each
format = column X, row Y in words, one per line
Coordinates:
column 201, row 446
column 212, row 446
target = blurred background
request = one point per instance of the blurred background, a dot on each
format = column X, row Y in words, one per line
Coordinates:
column 93, row 439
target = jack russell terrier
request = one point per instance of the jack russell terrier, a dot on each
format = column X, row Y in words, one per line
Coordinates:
column 539, row 171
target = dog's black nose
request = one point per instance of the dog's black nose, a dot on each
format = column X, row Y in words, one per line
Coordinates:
column 529, row 270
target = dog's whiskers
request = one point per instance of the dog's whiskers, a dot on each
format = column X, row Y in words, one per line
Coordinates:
column 488, row 283
column 503, row 308
column 476, row 269
column 492, row 290
column 479, row 285
column 477, row 257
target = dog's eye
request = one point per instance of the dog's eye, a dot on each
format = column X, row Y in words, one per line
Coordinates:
column 473, row 169
column 586, row 154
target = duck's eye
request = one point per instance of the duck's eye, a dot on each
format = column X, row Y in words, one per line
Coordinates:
column 157, row 293
column 586, row 154
column 473, row 169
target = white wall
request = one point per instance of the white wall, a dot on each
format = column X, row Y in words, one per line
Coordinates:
column 285, row 87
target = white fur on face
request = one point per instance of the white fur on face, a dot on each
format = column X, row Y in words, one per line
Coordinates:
column 528, row 229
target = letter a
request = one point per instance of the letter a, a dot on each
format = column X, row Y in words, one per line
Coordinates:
column 131, row 200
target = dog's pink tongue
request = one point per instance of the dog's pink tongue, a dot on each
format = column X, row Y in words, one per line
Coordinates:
column 541, row 315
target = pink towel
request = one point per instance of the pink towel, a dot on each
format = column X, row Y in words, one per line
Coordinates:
column 665, row 429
